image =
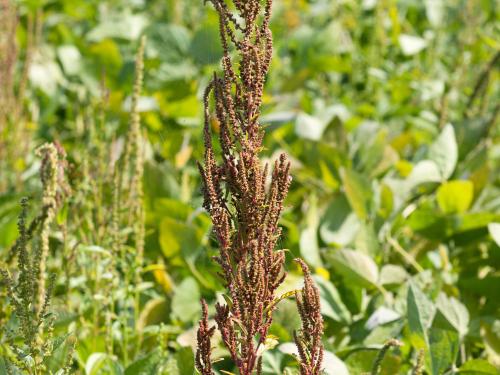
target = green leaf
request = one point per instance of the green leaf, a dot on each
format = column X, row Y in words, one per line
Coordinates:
column 356, row 267
column 494, row 229
column 443, row 350
column 99, row 363
column 146, row 365
column 205, row 46
column 119, row 25
column 423, row 172
column 435, row 11
column 309, row 249
column 185, row 360
column 70, row 58
column 331, row 302
column 186, row 300
column 154, row 312
column 411, row 45
column 339, row 224
column 454, row 312
column 309, row 127
column 420, row 311
column 367, row 241
column 444, row 152
column 358, row 192
column 392, row 274
column 478, row 367
column 333, row 365
column 455, row 196
column 175, row 236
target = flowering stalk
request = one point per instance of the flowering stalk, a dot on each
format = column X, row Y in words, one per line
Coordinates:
column 244, row 212
column 377, row 365
column 308, row 340
column 48, row 176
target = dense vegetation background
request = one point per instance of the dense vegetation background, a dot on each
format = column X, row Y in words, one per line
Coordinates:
column 389, row 112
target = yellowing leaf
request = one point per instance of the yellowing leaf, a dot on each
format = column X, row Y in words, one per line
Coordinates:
column 455, row 196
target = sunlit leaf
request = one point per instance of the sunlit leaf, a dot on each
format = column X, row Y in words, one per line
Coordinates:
column 355, row 267
column 455, row 196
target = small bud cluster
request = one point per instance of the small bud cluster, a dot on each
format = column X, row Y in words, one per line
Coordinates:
column 244, row 211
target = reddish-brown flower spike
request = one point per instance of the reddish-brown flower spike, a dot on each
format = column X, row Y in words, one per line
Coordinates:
column 244, row 213
column 204, row 349
column 308, row 340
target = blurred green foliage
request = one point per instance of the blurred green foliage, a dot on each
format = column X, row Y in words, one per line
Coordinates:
column 389, row 112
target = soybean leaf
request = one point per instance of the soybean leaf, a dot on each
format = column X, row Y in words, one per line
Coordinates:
column 443, row 350
column 356, row 267
column 455, row 196
column 331, row 302
column 494, row 229
column 444, row 152
column 339, row 224
column 420, row 311
column 308, row 243
column 454, row 312
column 478, row 367
column 185, row 302
column 358, row 192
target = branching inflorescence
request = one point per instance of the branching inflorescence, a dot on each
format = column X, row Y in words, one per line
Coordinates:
column 244, row 212
column 308, row 340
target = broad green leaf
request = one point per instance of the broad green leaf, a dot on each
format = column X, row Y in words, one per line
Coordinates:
column 107, row 55
column 420, row 312
column 443, row 350
column 494, row 229
column 435, row 10
column 478, row 367
column 186, row 300
column 455, row 196
column 185, row 360
column 169, row 42
column 392, row 274
column 70, row 58
column 356, row 267
column 331, row 302
column 381, row 316
column 272, row 361
column 205, row 46
column 411, row 45
column 309, row 249
column 454, row 312
column 423, row 172
column 125, row 26
column 309, row 127
column 154, row 312
column 444, row 152
column 99, row 363
column 176, row 235
column 333, row 365
column 146, row 365
column 339, row 224
column 358, row 192
column 367, row 241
